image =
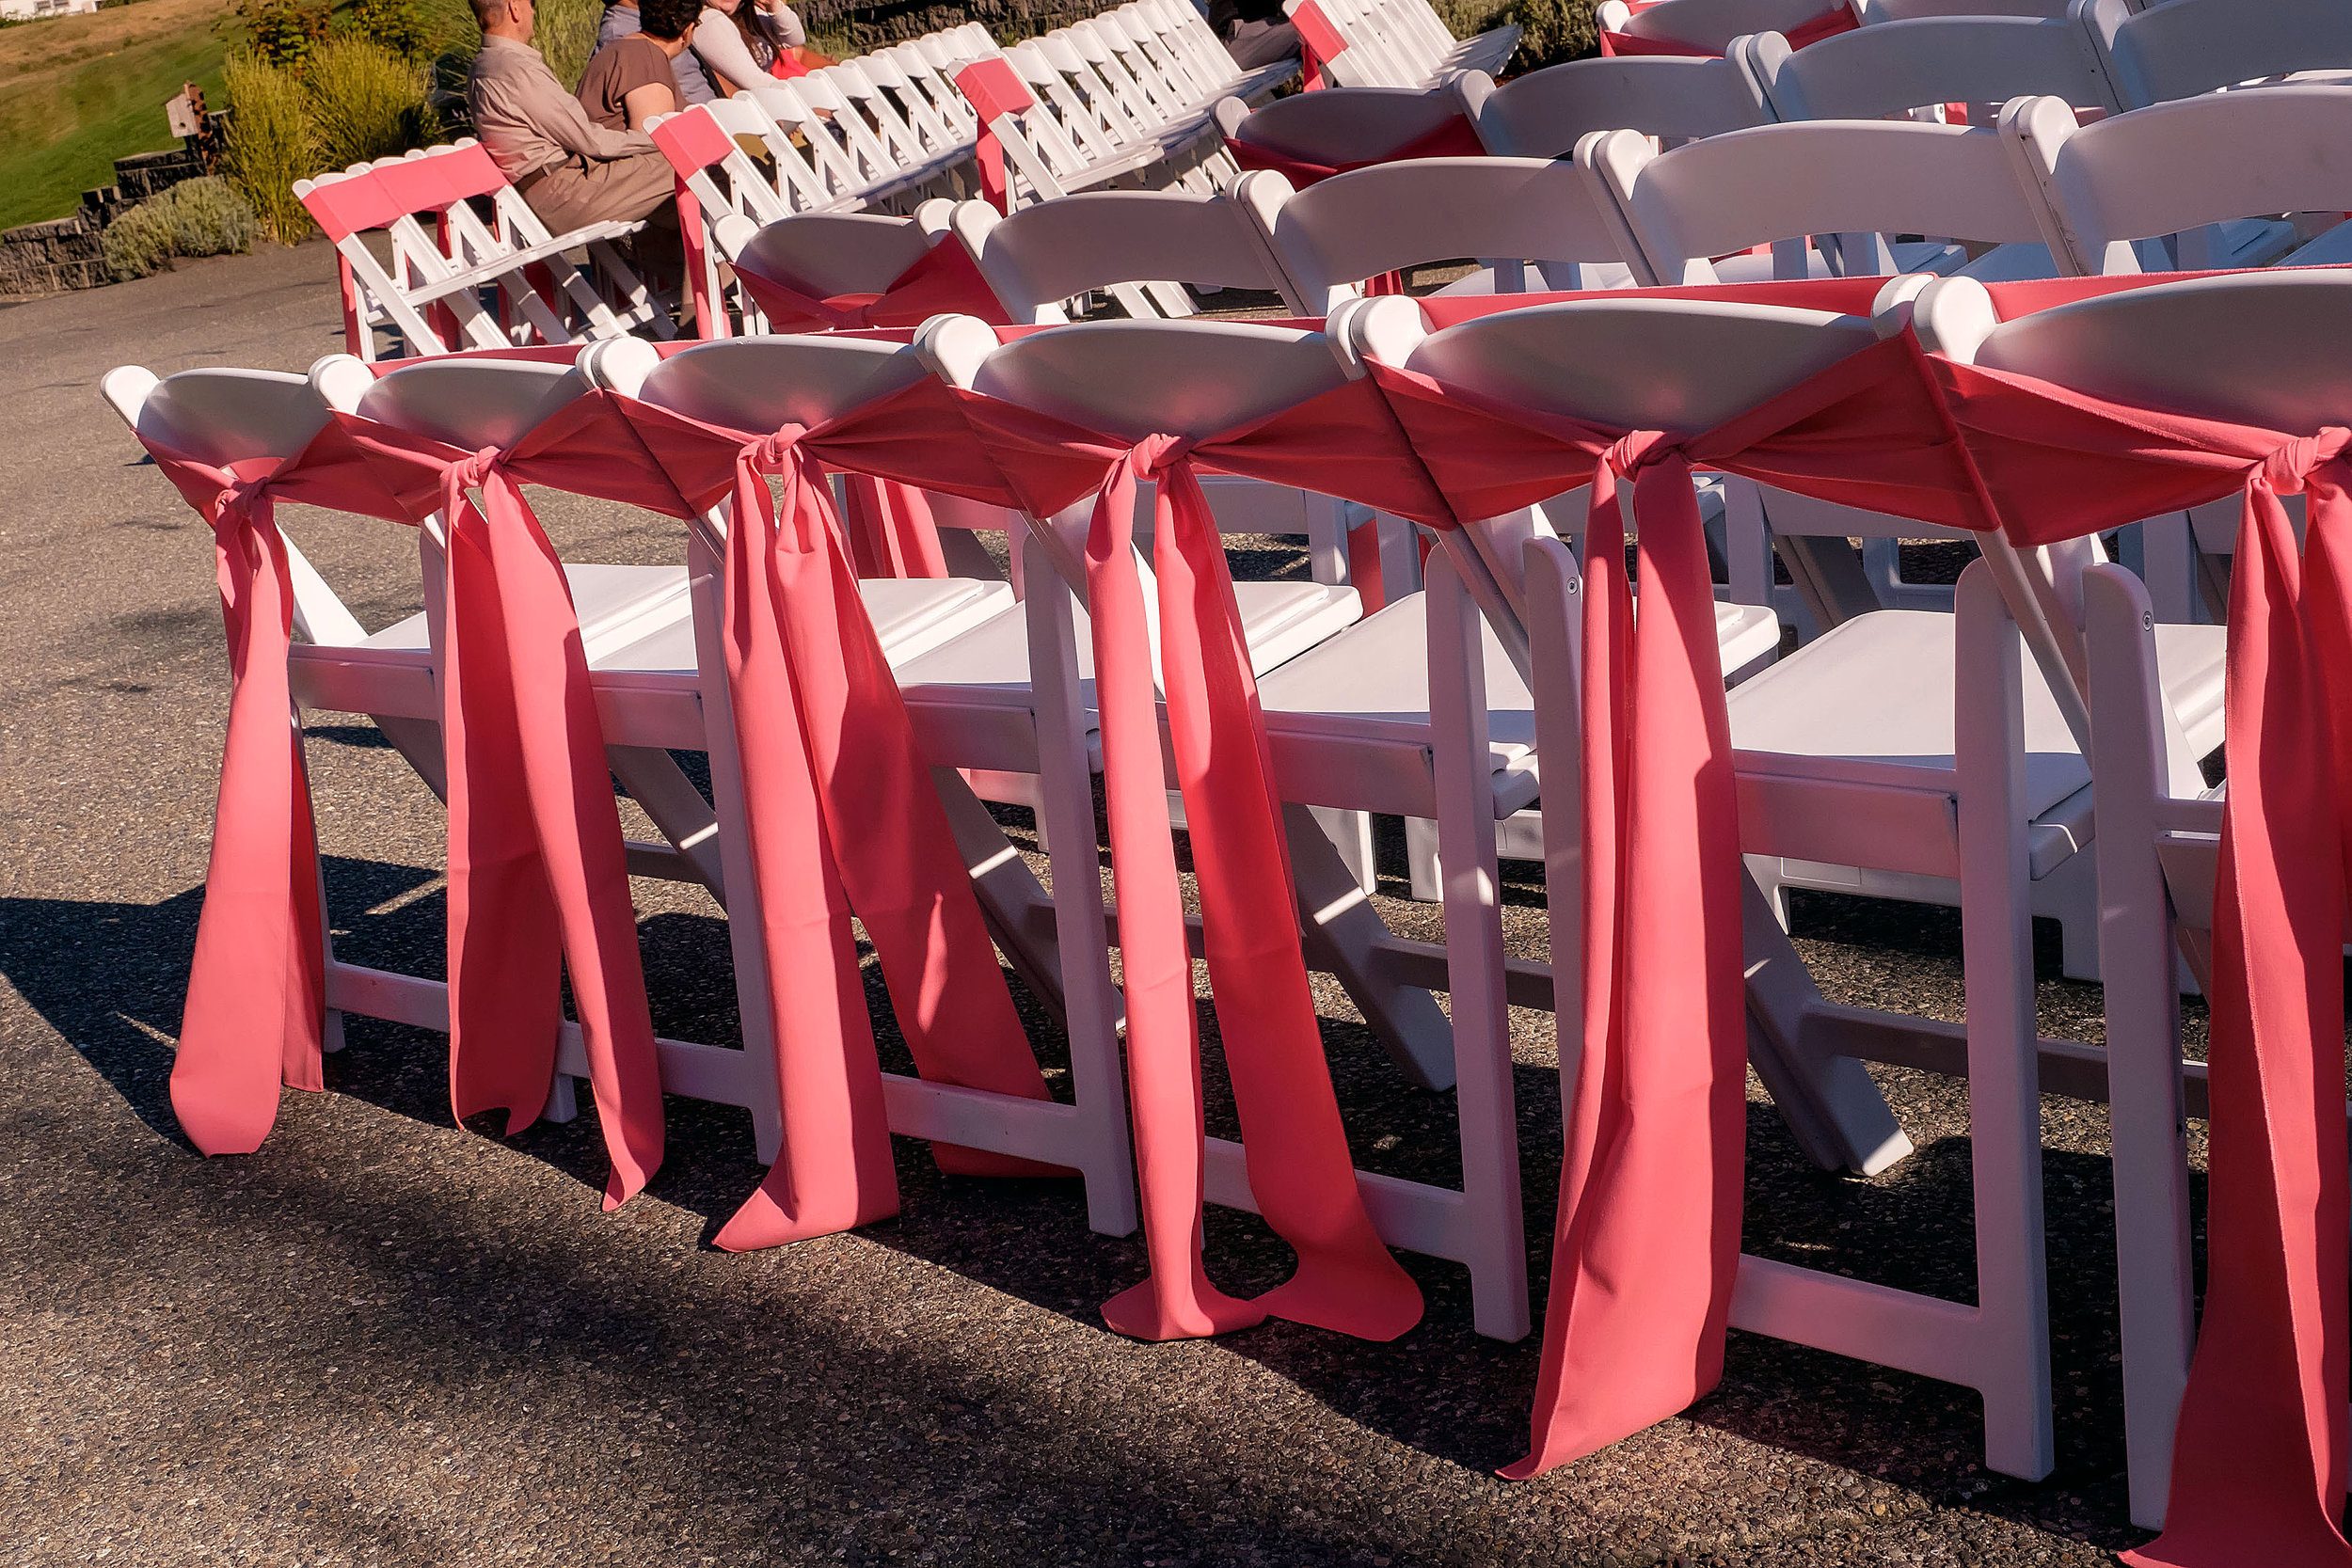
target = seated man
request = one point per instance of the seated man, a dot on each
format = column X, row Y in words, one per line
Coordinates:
column 631, row 79
column 570, row 170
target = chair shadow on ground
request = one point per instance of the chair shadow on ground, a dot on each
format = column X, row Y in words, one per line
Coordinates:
column 110, row 976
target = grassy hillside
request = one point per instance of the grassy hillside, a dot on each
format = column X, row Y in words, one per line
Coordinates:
column 77, row 92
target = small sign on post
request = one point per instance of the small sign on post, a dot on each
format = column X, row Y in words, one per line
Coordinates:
column 186, row 112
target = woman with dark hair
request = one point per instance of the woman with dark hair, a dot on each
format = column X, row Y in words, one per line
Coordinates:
column 630, row 79
column 742, row 44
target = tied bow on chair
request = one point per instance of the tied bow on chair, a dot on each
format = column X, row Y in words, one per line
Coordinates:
column 538, row 877
column 1296, row 1147
column 841, row 815
column 257, row 989
column 2260, row 1448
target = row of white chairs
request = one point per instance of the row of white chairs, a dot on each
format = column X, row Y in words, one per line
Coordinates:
column 1127, row 96
column 1393, row 43
column 1831, row 737
column 469, row 281
column 1656, row 218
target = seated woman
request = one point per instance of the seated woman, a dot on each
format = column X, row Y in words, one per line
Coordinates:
column 741, row 43
column 630, row 79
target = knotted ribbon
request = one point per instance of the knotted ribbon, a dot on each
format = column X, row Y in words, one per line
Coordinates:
column 257, row 992
column 841, row 814
column 1300, row 1171
column 534, row 837
column 2259, row 1455
column 538, row 875
column 1646, row 1247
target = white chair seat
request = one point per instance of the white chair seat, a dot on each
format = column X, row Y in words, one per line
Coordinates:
column 1871, row 702
column 625, row 599
column 990, row 661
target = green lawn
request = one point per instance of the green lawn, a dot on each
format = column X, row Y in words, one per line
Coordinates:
column 78, row 93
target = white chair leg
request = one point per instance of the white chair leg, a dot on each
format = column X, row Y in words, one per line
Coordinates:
column 2147, row 1130
column 1421, row 860
column 744, row 941
column 1090, row 1003
column 1343, row 936
column 331, row 1025
column 1474, row 958
column 2004, row 1087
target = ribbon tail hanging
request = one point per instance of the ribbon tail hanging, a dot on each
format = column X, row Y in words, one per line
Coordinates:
column 2259, row 1457
column 834, row 1170
column 907, row 883
column 1176, row 1300
column 544, row 879
column 1647, row 1244
column 1296, row 1146
column 256, row 1000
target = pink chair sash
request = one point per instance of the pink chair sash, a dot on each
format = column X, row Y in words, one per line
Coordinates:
column 537, row 875
column 1299, row 1166
column 842, row 816
column 1838, row 19
column 1648, row 1244
column 2258, row 1460
column 943, row 281
column 257, row 992
column 1456, row 139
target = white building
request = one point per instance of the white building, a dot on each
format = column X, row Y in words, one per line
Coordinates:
column 24, row 11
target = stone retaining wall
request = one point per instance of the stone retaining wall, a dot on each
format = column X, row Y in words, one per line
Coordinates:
column 69, row 253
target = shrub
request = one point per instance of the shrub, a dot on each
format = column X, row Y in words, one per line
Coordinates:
column 365, row 103
column 566, row 34
column 285, row 32
column 400, row 26
column 269, row 144
column 196, row 217
column 137, row 243
column 1550, row 31
column 208, row 218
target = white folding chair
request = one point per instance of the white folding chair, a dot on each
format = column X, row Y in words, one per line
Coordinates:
column 1511, row 214
column 1709, row 26
column 1872, row 13
column 1353, row 720
column 1138, row 246
column 433, row 291
column 825, row 254
column 1340, row 125
column 2185, row 47
column 2196, row 183
column 2268, row 350
column 1924, row 734
column 1915, row 66
column 1545, row 113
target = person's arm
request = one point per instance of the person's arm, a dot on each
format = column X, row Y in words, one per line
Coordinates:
column 558, row 116
column 780, row 23
column 720, row 48
column 642, row 103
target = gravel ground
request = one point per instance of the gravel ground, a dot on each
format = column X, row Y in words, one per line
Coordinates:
column 387, row 1340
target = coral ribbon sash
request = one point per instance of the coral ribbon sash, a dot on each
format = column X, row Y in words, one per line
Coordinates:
column 1456, row 139
column 537, row 874
column 942, row 281
column 257, row 993
column 841, row 816
column 1299, row 1166
column 2259, row 1455
column 1649, row 1237
column 1839, row 19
